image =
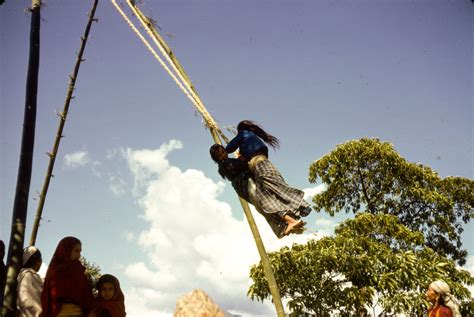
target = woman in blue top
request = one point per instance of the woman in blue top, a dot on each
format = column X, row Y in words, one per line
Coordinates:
column 274, row 194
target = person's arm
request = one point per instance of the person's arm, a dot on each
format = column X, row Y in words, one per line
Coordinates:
column 234, row 143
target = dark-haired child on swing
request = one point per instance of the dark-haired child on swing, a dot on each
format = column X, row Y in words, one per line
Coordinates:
column 274, row 194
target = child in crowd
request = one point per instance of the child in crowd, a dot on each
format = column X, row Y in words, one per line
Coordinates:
column 110, row 299
column 67, row 291
column 274, row 194
column 30, row 284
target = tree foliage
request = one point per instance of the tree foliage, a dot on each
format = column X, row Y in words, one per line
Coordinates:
column 372, row 265
column 92, row 271
column 368, row 175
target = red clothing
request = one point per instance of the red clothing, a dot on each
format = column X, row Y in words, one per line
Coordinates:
column 65, row 281
column 116, row 305
column 440, row 311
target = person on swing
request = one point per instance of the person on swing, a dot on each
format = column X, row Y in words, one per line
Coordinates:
column 273, row 193
column 238, row 173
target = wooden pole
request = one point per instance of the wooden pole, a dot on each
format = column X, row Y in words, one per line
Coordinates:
column 272, row 284
column 261, row 249
column 62, row 121
column 20, row 205
column 215, row 133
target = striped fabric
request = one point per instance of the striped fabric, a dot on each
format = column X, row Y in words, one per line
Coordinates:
column 272, row 198
column 274, row 194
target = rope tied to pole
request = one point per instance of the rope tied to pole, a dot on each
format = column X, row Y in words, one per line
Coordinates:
column 178, row 76
column 184, row 83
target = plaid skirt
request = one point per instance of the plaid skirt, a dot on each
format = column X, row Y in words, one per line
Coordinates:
column 273, row 193
column 277, row 224
column 275, row 201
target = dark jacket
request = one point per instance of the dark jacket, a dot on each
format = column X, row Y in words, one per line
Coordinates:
column 236, row 171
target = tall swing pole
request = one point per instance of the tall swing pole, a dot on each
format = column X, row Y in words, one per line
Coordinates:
column 267, row 268
column 215, row 132
column 20, row 204
column 62, row 120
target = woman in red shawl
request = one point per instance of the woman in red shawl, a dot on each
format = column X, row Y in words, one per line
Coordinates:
column 110, row 300
column 66, row 291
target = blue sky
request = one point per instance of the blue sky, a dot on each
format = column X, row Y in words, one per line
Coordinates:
column 133, row 179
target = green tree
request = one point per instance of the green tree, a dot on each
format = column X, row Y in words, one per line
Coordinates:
column 92, row 271
column 368, row 175
column 372, row 263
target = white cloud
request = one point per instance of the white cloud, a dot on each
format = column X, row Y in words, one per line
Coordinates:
column 96, row 166
column 192, row 239
column 145, row 164
column 309, row 193
column 136, row 303
column 111, row 153
column 117, row 186
column 130, row 236
column 76, row 159
column 325, row 226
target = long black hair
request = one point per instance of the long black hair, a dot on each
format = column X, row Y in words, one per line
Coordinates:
column 252, row 126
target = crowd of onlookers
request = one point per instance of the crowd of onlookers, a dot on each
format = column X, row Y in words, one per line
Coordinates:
column 67, row 291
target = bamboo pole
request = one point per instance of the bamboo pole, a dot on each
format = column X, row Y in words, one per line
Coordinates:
column 267, row 268
column 215, row 131
column 20, row 205
column 261, row 249
column 62, row 120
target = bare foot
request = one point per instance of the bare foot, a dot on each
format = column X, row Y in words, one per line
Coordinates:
column 294, row 226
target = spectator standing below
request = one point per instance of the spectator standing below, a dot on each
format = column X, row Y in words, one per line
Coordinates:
column 274, row 194
column 67, row 291
column 110, row 300
column 443, row 303
column 30, row 284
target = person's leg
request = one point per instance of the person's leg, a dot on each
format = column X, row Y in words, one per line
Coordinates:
column 274, row 196
column 273, row 192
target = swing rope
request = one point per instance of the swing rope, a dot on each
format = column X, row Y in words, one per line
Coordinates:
column 186, row 86
column 166, row 53
column 183, row 83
